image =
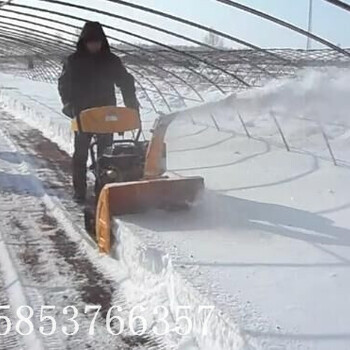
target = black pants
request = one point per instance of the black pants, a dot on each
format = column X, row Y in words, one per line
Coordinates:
column 81, row 152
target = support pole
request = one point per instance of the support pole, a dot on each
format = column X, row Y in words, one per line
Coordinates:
column 280, row 130
column 324, row 134
column 215, row 122
column 244, row 125
column 309, row 28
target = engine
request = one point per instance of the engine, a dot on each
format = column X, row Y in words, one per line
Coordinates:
column 122, row 163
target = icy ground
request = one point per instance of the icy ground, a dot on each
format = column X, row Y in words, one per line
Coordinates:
column 269, row 245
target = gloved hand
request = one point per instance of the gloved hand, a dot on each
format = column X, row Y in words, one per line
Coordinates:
column 134, row 105
column 68, row 110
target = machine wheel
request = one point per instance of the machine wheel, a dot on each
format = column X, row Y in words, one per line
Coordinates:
column 98, row 189
column 176, row 206
column 90, row 220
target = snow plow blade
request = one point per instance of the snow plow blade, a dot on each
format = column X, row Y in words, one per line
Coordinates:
column 133, row 197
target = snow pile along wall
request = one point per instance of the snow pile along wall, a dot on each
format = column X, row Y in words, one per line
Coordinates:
column 323, row 95
column 38, row 104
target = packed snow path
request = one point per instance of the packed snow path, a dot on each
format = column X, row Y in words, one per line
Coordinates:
column 41, row 263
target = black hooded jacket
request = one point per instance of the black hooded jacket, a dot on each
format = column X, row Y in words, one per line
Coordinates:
column 88, row 80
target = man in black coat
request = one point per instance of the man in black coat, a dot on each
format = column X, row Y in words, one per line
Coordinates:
column 88, row 80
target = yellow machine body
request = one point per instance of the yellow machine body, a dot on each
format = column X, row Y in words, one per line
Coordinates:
column 154, row 190
column 107, row 119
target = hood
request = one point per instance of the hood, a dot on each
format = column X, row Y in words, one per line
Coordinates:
column 93, row 31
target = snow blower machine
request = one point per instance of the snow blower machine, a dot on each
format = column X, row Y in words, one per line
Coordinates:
column 130, row 176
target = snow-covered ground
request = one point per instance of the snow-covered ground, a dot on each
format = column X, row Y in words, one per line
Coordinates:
column 269, row 244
